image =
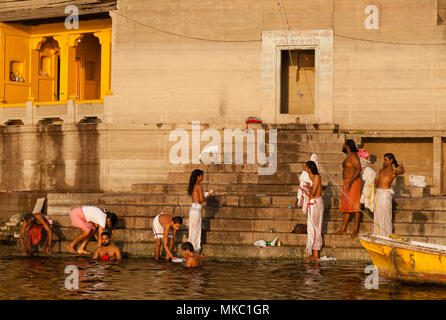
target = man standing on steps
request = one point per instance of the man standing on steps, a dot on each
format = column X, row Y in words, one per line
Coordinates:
column 315, row 212
column 195, row 190
column 383, row 199
column 351, row 187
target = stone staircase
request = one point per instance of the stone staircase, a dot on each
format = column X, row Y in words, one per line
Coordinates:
column 248, row 207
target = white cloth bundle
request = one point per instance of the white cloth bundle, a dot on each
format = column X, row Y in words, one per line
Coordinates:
column 368, row 192
column 260, row 243
column 417, row 181
column 303, row 192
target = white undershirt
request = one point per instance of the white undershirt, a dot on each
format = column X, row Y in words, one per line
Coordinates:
column 95, row 215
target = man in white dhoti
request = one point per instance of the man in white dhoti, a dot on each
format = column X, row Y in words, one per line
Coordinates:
column 315, row 213
column 383, row 198
column 196, row 192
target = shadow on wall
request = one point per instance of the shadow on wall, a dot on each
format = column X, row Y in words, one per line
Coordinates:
column 84, row 149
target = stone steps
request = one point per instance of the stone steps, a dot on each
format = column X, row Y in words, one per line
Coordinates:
column 235, row 245
column 240, row 202
column 253, row 178
column 276, row 214
column 263, row 225
column 291, row 239
column 242, row 188
column 294, row 167
column 232, row 223
column 284, row 137
column 232, row 251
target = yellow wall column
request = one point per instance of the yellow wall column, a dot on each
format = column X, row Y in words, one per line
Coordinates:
column 105, row 41
column 2, row 65
column 63, row 41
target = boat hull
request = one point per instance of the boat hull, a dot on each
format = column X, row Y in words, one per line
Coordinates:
column 405, row 262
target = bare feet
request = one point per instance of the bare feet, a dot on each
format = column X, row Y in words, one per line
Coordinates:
column 340, row 232
column 82, row 251
column 71, row 249
column 312, row 258
column 354, row 235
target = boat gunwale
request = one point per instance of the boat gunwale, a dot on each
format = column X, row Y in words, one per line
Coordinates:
column 403, row 245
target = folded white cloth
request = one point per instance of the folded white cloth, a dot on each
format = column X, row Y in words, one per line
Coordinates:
column 325, row 258
column 368, row 192
column 303, row 194
column 417, row 181
column 260, row 243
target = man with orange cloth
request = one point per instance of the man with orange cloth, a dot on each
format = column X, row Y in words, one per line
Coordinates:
column 351, row 187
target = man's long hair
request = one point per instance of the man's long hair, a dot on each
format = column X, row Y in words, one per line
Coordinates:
column 193, row 179
column 352, row 145
column 312, row 166
column 390, row 156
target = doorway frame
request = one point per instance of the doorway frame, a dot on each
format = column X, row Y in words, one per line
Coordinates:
column 273, row 42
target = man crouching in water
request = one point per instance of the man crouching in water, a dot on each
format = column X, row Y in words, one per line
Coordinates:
column 107, row 251
column 193, row 259
column 36, row 223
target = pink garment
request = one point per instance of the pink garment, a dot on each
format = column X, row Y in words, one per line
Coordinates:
column 78, row 220
column 362, row 153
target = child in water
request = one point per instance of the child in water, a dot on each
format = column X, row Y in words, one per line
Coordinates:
column 193, row 259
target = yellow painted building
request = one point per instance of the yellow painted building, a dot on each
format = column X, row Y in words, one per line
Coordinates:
column 50, row 64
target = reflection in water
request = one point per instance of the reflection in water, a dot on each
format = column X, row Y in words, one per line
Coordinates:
column 44, row 278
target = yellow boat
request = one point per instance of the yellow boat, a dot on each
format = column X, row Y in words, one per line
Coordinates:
column 406, row 261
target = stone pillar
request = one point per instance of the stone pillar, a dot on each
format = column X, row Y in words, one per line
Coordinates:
column 105, row 41
column 71, row 112
column 437, row 174
column 29, row 113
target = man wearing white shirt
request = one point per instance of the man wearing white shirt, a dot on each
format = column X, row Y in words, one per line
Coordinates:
column 88, row 219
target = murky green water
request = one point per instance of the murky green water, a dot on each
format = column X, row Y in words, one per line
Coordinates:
column 44, row 278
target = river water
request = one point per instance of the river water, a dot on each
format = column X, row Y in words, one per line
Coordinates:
column 45, row 278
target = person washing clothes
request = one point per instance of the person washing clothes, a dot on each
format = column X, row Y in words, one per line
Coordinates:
column 193, row 259
column 88, row 219
column 195, row 190
column 368, row 176
column 35, row 223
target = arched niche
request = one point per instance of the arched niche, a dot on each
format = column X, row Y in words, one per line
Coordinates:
column 88, row 67
column 46, row 61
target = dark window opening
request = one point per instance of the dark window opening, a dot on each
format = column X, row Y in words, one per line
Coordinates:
column 297, row 82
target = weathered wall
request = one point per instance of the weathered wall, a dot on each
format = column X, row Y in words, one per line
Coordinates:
column 83, row 157
column 159, row 77
column 12, row 203
column 415, row 153
column 388, row 82
column 381, row 78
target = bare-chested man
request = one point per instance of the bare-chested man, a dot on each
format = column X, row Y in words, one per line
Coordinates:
column 315, row 212
column 35, row 223
column 383, row 198
column 165, row 227
column 107, row 251
column 195, row 190
column 193, row 259
column 351, row 187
